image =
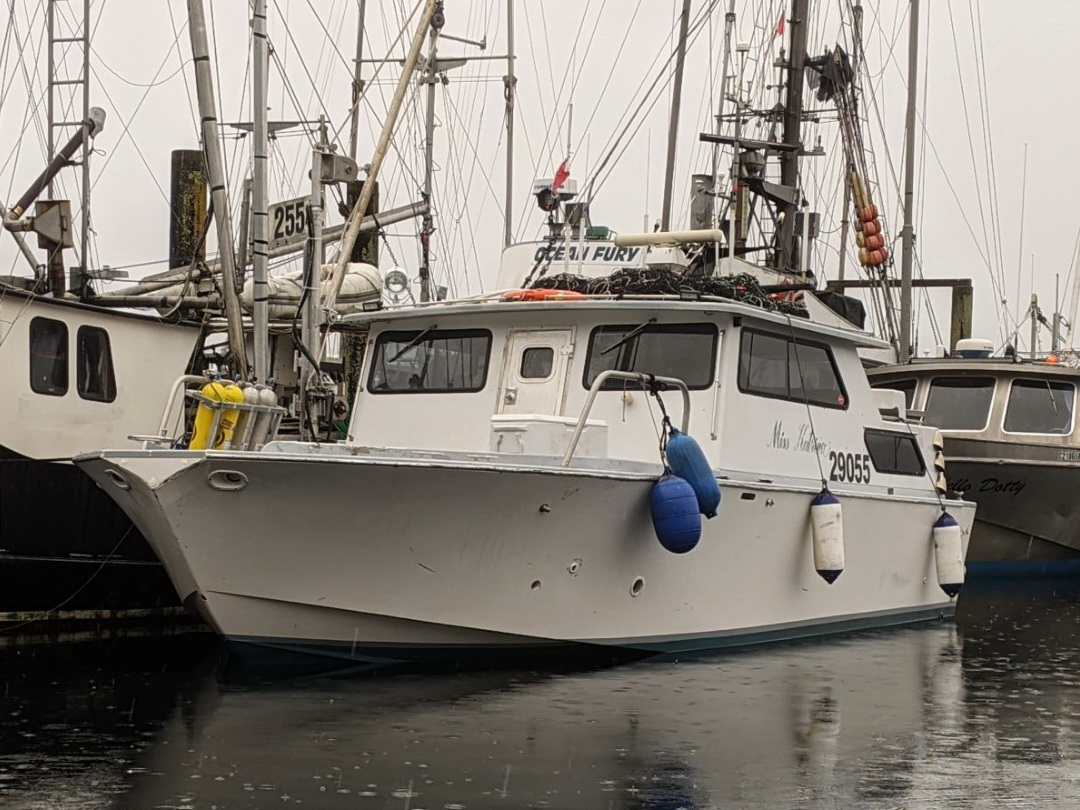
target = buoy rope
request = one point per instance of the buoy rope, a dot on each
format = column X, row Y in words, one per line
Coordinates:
column 806, row 402
column 653, row 387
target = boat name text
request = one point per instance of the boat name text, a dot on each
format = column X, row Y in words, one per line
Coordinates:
column 596, row 253
column 991, row 484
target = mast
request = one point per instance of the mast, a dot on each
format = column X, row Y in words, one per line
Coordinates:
column 510, row 84
column 429, row 158
column 215, row 167
column 259, row 216
column 845, row 222
column 908, row 233
column 789, row 165
column 358, row 83
column 673, row 122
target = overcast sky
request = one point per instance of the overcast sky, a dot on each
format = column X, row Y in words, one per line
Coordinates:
column 600, row 56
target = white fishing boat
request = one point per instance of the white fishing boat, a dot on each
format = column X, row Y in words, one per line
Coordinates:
column 494, row 490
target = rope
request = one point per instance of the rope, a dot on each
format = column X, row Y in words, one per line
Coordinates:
column 806, row 402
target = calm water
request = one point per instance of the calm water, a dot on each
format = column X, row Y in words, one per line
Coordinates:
column 984, row 713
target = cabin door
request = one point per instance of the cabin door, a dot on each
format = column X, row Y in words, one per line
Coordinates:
column 535, row 376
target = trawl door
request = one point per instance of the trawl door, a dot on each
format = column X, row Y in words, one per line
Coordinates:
column 535, row 376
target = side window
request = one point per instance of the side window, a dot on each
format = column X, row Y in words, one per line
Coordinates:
column 959, row 403
column 1040, row 406
column 905, row 386
column 784, row 368
column 537, row 363
column 48, row 357
column 94, row 375
column 686, row 351
column 895, row 453
column 432, row 361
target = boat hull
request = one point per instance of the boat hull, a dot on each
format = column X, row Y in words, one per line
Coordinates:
column 1028, row 514
column 68, row 553
column 444, row 560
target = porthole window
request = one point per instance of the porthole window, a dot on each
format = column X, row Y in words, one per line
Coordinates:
column 48, row 357
column 94, row 376
column 537, row 362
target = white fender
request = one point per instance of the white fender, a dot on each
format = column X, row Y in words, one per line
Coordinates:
column 827, row 526
column 949, row 554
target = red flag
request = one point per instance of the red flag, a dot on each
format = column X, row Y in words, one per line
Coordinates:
column 779, row 32
column 560, row 177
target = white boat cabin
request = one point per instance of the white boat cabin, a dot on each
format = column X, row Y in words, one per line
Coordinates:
column 770, row 395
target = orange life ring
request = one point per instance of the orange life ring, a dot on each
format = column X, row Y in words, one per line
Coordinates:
column 542, row 295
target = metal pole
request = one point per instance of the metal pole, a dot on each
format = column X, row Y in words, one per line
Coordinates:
column 845, row 221
column 260, row 237
column 429, row 165
column 510, row 84
column 908, row 234
column 309, row 316
column 215, row 166
column 789, row 166
column 358, row 83
column 84, row 213
column 673, row 121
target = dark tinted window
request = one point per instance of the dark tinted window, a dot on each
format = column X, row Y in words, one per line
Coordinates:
column 686, row 351
column 896, row 453
column 94, row 376
column 537, row 362
column 906, row 386
column 48, row 356
column 959, row 403
column 431, row 361
column 781, row 367
column 1040, row 406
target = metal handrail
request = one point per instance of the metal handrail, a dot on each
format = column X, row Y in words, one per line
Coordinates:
column 162, row 436
column 635, row 376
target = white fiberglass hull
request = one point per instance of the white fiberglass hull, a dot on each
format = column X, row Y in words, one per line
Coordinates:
column 389, row 559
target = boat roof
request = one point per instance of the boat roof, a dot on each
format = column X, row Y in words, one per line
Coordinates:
column 494, row 304
column 975, row 366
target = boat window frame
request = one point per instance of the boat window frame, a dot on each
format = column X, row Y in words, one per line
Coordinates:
column 686, row 327
column 954, row 376
column 803, row 400
column 406, row 335
column 551, row 367
column 54, row 390
column 895, row 435
column 109, row 393
column 1043, row 380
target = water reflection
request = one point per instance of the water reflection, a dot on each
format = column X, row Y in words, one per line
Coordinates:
column 977, row 714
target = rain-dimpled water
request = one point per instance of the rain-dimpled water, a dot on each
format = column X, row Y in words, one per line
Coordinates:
column 983, row 712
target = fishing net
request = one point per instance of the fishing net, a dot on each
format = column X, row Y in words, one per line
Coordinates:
column 662, row 281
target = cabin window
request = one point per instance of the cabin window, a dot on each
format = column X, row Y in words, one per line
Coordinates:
column 907, row 387
column 94, row 376
column 48, row 356
column 686, row 351
column 785, row 368
column 1040, row 406
column 959, row 403
column 537, row 363
column 894, row 453
column 444, row 361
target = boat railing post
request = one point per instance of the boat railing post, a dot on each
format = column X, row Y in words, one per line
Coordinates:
column 181, row 382
column 634, row 376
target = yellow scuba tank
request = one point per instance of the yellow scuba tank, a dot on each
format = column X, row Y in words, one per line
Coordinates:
column 219, row 391
column 229, row 416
